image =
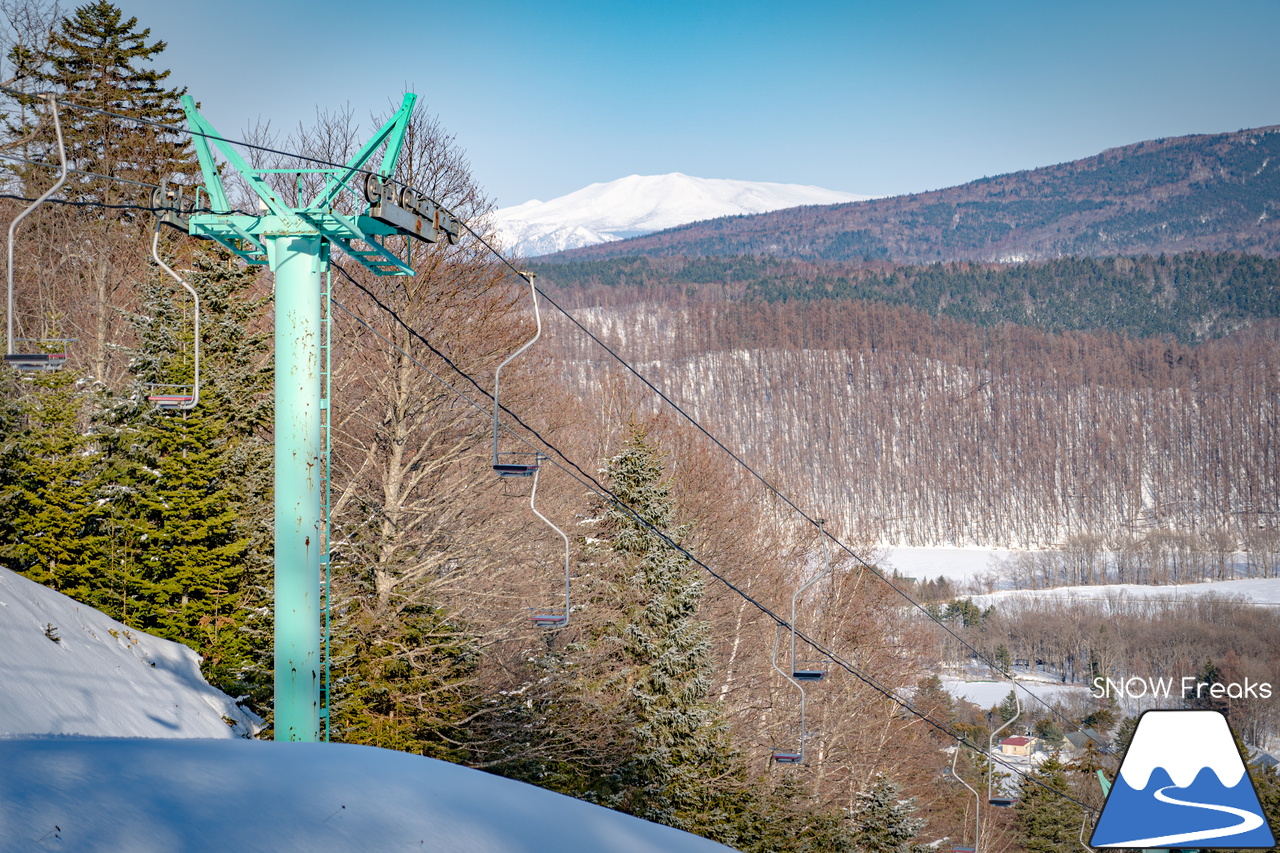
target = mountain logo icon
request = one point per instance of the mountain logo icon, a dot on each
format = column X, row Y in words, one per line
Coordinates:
column 1182, row 784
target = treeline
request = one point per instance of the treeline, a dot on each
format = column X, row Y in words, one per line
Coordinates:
column 1209, row 639
column 1190, row 296
column 931, row 431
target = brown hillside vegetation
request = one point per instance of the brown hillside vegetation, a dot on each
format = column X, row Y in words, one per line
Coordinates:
column 931, row 431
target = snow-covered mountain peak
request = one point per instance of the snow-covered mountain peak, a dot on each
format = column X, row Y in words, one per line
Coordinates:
column 639, row 204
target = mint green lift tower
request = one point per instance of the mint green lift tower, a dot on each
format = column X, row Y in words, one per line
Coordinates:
column 295, row 242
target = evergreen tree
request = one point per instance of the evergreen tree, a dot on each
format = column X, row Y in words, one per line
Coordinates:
column 98, row 58
column 1046, row 821
column 195, row 484
column 677, row 744
column 883, row 822
column 50, row 526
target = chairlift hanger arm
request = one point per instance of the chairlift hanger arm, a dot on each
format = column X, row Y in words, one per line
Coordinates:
column 62, row 179
column 188, row 401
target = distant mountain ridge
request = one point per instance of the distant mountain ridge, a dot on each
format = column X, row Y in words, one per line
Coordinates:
column 640, row 204
column 1212, row 193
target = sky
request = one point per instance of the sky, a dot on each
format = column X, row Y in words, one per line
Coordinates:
column 879, row 98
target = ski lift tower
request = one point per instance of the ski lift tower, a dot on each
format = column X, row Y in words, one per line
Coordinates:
column 295, row 242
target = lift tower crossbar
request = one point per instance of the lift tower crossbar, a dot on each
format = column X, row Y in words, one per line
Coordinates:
column 295, row 242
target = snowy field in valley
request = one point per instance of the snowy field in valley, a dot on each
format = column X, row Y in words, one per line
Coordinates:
column 1265, row 591
column 69, row 669
column 986, row 694
column 217, row 795
column 95, row 721
column 951, row 563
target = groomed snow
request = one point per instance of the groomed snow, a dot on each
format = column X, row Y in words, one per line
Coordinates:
column 210, row 796
column 988, row 694
column 99, row 677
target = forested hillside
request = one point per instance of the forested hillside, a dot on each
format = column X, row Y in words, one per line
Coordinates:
column 1187, row 296
column 1217, row 193
column 922, row 430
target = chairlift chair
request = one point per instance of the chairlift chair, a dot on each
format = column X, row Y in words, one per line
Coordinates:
column 514, row 469
column 36, row 362
column 977, row 799
column 44, row 356
column 992, row 799
column 787, row 756
column 181, row 397
column 557, row 618
column 810, row 670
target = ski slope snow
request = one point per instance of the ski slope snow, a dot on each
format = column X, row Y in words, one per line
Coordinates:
column 110, row 740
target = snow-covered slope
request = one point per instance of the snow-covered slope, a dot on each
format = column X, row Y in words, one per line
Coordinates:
column 204, row 795
column 140, row 785
column 99, row 677
column 642, row 203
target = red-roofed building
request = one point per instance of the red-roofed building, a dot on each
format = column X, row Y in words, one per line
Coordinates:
column 1018, row 745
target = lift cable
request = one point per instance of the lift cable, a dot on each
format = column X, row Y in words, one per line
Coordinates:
column 772, row 488
column 565, row 463
column 618, row 358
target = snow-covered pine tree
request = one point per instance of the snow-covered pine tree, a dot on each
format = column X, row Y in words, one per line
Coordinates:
column 678, row 744
column 883, row 822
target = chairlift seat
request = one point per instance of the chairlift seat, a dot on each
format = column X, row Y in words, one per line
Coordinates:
column 963, row 849
column 36, row 361
column 171, row 401
column 515, row 470
column 785, row 757
column 1002, row 802
column 550, row 620
column 810, row 670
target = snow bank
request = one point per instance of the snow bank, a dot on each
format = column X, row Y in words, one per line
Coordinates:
column 217, row 795
column 99, row 677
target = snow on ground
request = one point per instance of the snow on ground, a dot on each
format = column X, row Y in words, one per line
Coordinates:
column 216, row 795
column 986, row 694
column 951, row 563
column 99, row 677
column 1264, row 591
column 138, row 784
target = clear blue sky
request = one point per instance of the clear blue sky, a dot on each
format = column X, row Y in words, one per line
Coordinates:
column 867, row 97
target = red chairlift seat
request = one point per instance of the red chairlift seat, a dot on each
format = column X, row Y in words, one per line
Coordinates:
column 171, row 401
